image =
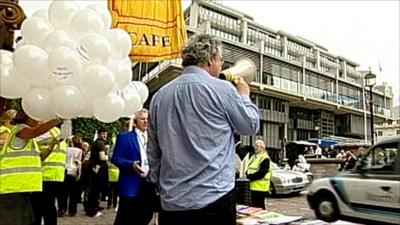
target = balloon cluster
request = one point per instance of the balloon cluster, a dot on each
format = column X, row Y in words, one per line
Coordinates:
column 71, row 64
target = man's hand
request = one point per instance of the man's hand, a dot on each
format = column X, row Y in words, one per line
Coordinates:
column 241, row 86
column 137, row 168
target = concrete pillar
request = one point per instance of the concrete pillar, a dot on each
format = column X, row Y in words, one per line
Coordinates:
column 261, row 45
column 243, row 29
column 194, row 14
column 317, row 55
column 284, row 47
column 344, row 72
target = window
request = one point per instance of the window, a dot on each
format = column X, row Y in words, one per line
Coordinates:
column 398, row 132
column 380, row 133
column 381, row 158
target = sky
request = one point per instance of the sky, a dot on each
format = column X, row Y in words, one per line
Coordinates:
column 365, row 32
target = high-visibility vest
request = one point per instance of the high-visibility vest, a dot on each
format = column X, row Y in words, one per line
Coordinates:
column 20, row 166
column 54, row 165
column 113, row 172
column 254, row 166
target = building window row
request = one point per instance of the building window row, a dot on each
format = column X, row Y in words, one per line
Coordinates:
column 351, row 69
column 224, row 35
column 330, row 62
column 299, row 48
column 267, row 103
column 214, row 17
column 273, row 50
column 310, row 64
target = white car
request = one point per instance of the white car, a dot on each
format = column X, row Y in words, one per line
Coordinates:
column 284, row 181
column 370, row 192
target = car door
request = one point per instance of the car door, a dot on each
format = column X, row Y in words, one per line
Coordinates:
column 374, row 186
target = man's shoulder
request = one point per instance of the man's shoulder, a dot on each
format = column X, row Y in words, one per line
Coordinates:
column 126, row 134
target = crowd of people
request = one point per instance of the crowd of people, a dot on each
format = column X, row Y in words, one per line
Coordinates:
column 178, row 160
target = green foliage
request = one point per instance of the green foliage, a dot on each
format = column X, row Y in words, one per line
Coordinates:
column 86, row 128
column 16, row 104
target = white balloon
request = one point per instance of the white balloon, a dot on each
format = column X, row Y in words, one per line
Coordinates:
column 86, row 21
column 35, row 29
column 61, row 13
column 37, row 104
column 12, row 86
column 20, row 43
column 142, row 89
column 121, row 42
column 65, row 65
column 109, row 108
column 56, row 39
column 87, row 111
column 67, row 101
column 97, row 81
column 122, row 73
column 41, row 13
column 104, row 13
column 31, row 63
column 94, row 48
column 132, row 101
column 6, row 57
column 128, row 61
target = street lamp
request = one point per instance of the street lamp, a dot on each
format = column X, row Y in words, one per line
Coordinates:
column 370, row 80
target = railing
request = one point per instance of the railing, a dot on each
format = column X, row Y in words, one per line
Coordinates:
column 161, row 66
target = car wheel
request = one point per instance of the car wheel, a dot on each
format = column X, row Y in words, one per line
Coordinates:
column 326, row 209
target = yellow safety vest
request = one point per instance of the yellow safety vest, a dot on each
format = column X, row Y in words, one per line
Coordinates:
column 254, row 165
column 113, row 172
column 20, row 168
column 54, row 165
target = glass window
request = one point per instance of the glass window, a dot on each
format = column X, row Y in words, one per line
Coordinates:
column 276, row 70
column 382, row 157
column 276, row 82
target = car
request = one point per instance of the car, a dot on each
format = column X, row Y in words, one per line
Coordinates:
column 285, row 181
column 368, row 193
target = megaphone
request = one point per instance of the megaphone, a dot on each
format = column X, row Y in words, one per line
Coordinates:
column 244, row 68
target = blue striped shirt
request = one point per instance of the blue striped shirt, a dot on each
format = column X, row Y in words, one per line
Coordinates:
column 191, row 149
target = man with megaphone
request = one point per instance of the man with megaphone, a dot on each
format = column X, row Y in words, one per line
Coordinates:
column 191, row 147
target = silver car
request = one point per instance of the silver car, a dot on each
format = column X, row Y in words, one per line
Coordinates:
column 285, row 181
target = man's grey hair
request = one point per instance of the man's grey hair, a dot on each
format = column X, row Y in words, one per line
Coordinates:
column 140, row 112
column 200, row 50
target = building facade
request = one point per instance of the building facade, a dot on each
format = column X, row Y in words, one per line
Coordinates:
column 389, row 128
column 303, row 91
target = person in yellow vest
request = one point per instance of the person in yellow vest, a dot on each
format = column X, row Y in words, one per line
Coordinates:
column 5, row 125
column 53, row 168
column 21, row 169
column 259, row 173
column 113, row 174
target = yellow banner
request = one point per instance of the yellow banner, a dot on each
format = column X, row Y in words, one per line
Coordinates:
column 157, row 27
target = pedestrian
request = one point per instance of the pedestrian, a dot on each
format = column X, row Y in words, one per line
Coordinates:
column 259, row 173
column 318, row 152
column 326, row 153
column 20, row 169
column 69, row 199
column 135, row 193
column 191, row 145
column 53, row 168
column 97, row 174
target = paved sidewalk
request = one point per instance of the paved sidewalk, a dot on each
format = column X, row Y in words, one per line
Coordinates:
column 295, row 205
